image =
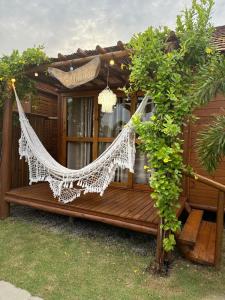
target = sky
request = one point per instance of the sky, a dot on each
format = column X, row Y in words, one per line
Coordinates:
column 62, row 26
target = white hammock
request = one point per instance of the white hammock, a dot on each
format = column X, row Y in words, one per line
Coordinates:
column 68, row 184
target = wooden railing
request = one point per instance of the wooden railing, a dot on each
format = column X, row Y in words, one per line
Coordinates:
column 220, row 211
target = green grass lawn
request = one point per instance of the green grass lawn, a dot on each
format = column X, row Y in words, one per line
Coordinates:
column 63, row 264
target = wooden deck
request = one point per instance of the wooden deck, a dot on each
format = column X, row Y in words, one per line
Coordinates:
column 120, row 207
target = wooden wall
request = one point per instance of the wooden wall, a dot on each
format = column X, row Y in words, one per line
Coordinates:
column 43, row 120
column 201, row 195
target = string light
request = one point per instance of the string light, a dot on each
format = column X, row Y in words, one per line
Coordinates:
column 36, row 74
column 112, row 62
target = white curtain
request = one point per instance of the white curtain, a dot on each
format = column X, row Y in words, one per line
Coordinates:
column 79, row 124
column 140, row 175
column 80, row 117
column 110, row 125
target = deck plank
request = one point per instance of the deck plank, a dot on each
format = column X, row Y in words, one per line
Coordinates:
column 204, row 250
column 190, row 230
column 120, row 207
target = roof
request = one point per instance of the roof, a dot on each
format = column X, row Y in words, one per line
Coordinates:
column 219, row 38
column 118, row 76
column 98, row 50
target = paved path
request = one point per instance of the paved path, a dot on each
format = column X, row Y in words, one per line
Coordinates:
column 10, row 292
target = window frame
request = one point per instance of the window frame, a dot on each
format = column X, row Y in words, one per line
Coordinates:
column 95, row 139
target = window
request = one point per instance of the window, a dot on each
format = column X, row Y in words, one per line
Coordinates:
column 89, row 132
column 121, row 175
column 140, row 175
column 79, row 117
column 78, row 155
column 110, row 124
column 79, row 125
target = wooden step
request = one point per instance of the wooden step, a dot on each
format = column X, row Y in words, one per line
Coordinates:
column 204, row 249
column 189, row 233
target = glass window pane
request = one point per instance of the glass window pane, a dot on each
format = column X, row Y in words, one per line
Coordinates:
column 80, row 116
column 78, row 155
column 121, row 175
column 110, row 124
column 140, row 175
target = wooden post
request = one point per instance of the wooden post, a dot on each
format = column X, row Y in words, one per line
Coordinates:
column 5, row 170
column 219, row 228
column 159, row 247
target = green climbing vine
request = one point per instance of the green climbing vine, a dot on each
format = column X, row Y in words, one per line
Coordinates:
column 170, row 67
column 15, row 66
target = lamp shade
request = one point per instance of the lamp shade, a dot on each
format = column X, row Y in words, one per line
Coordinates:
column 107, row 99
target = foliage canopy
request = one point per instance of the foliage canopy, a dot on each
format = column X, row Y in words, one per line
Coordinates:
column 15, row 66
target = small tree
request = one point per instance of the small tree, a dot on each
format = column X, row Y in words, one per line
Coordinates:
column 171, row 67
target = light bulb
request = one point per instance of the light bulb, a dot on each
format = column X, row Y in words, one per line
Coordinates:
column 36, row 74
column 112, row 62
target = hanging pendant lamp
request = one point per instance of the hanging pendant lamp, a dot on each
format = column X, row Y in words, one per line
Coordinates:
column 107, row 98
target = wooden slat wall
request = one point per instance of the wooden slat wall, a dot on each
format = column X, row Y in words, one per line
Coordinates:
column 46, row 130
column 200, row 194
column 45, row 106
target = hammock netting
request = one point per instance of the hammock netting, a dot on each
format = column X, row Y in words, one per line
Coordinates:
column 67, row 184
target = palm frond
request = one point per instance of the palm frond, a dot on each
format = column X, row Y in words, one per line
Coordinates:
column 209, row 81
column 211, row 144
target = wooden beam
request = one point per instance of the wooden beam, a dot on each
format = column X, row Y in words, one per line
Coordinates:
column 102, row 77
column 76, row 212
column 61, row 56
column 159, row 248
column 118, row 74
column 120, row 45
column 6, row 158
column 81, row 52
column 104, row 57
column 41, row 86
column 112, row 73
column 100, row 50
column 205, row 180
column 99, row 81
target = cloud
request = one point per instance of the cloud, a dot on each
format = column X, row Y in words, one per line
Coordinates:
column 65, row 25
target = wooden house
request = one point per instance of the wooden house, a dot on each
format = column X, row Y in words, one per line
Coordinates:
column 75, row 132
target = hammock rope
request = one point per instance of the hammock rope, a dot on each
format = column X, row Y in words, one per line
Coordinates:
column 67, row 184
